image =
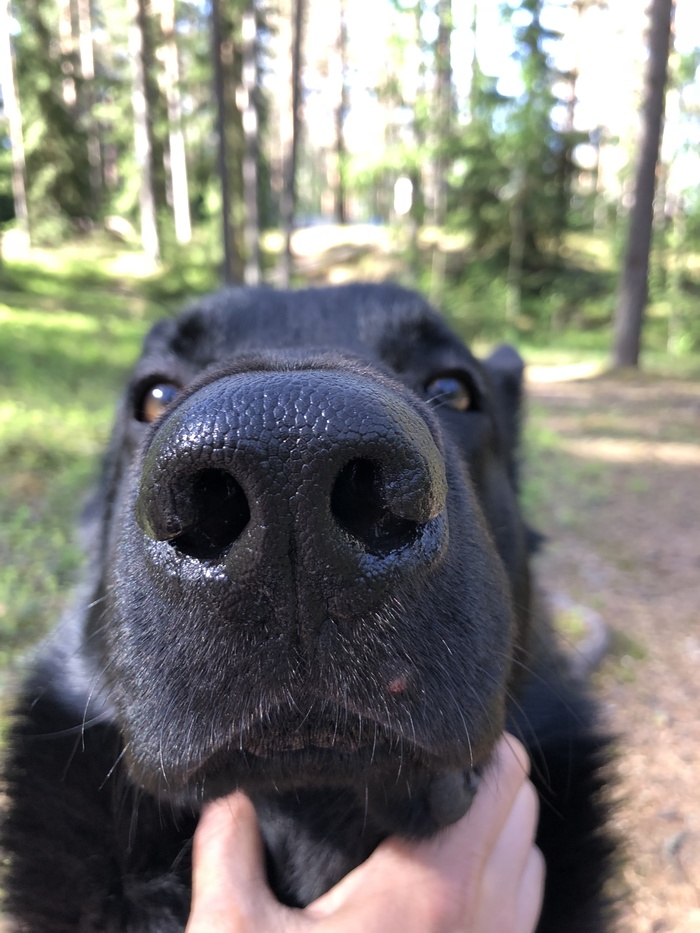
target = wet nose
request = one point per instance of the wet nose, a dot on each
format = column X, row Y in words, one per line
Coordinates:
column 326, row 466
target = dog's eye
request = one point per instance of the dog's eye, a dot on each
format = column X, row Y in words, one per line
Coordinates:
column 452, row 390
column 155, row 400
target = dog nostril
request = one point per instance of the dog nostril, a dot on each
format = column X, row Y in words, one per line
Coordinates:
column 358, row 505
column 219, row 511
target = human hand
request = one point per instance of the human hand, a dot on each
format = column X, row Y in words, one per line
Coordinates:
column 482, row 875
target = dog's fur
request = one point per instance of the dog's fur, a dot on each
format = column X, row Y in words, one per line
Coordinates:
column 344, row 643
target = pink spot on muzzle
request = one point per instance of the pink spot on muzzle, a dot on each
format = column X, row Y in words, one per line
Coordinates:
column 398, row 685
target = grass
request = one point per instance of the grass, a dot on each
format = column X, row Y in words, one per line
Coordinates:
column 624, row 656
column 69, row 331
column 558, row 488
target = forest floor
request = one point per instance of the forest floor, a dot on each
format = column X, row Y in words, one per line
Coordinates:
column 616, row 474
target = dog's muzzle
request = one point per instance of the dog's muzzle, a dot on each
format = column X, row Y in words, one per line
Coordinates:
column 325, row 477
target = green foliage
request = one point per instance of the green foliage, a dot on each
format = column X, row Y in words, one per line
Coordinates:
column 7, row 204
column 480, row 171
column 60, row 197
column 512, row 160
column 55, row 140
column 569, row 303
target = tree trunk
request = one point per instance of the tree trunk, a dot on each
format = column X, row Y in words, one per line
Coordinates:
column 340, row 194
column 289, row 200
column 250, row 156
column 230, row 139
column 14, row 118
column 633, row 291
column 66, row 44
column 281, row 103
column 443, row 102
column 176, row 139
column 143, row 137
column 516, row 252
column 87, row 72
column 222, row 155
column 444, row 106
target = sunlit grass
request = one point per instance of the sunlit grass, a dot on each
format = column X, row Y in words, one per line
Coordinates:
column 71, row 324
column 69, row 331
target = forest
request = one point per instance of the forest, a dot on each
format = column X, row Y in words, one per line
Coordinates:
column 515, row 182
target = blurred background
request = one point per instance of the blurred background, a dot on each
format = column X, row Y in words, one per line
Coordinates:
column 532, row 167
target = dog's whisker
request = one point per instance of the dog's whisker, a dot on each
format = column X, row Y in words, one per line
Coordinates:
column 114, row 767
column 539, row 761
column 78, row 729
column 365, row 813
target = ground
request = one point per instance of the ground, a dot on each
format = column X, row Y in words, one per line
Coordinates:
column 615, row 465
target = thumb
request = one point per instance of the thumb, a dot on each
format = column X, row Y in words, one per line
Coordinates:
column 229, row 884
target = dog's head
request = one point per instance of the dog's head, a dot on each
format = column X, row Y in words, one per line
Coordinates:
column 313, row 570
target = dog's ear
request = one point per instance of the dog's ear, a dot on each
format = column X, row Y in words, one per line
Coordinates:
column 506, row 370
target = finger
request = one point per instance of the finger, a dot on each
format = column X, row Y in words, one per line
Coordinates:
column 475, row 835
column 515, row 841
column 531, row 892
column 229, row 827
column 477, row 832
column 500, row 784
column 455, row 859
column 228, row 876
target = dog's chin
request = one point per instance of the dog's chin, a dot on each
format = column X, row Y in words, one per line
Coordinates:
column 403, row 787
column 419, row 805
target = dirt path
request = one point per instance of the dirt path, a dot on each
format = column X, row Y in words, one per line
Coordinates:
column 623, row 487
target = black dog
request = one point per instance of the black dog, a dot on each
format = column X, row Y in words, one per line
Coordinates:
column 309, row 580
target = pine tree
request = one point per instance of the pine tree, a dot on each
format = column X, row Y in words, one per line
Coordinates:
column 632, row 297
column 290, row 157
column 141, row 55
column 540, row 152
column 56, row 153
column 87, row 100
column 251, row 233
column 515, row 190
column 340, row 53
column 11, row 108
column 176, row 148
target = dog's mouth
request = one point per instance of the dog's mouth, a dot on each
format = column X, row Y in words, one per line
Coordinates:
column 350, row 753
column 395, row 763
column 341, row 730
column 271, row 745
column 281, row 747
column 357, row 738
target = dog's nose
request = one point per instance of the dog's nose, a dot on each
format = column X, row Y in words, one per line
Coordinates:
column 325, row 469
